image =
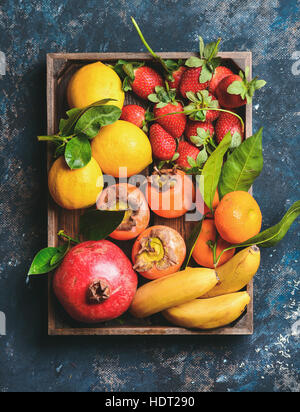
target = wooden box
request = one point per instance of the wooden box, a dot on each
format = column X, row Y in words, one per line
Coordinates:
column 60, row 68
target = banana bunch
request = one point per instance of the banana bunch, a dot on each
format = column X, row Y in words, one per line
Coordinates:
column 200, row 298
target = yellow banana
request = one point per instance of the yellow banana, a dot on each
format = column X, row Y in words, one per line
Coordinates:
column 209, row 313
column 172, row 290
column 236, row 273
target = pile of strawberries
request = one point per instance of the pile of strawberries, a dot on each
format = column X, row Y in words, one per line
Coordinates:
column 193, row 105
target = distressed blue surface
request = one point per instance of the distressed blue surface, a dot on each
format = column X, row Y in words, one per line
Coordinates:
column 29, row 360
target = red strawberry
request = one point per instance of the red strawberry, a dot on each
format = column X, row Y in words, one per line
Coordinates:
column 198, row 132
column 145, row 81
column 212, row 115
column 163, row 144
column 166, row 102
column 186, row 150
column 229, row 123
column 134, row 114
column 177, row 75
column 190, row 81
column 220, row 73
column 173, row 124
column 236, row 91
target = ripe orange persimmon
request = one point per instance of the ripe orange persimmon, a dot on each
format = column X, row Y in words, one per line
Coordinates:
column 203, row 253
column 158, row 251
column 238, row 217
column 170, row 193
column 124, row 196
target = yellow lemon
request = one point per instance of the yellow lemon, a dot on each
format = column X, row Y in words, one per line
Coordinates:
column 95, row 82
column 75, row 189
column 122, row 145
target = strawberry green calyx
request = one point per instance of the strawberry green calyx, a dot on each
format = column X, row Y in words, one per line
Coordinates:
column 208, row 60
column 245, row 88
column 203, row 138
column 168, row 65
column 125, row 71
column 201, row 102
column 163, row 96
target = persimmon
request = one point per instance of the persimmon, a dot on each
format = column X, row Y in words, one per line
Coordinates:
column 170, row 193
column 158, row 251
column 127, row 197
column 203, row 253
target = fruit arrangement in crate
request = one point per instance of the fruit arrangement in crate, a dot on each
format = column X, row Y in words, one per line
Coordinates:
column 153, row 228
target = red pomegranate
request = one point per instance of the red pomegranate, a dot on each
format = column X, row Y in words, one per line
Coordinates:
column 95, row 282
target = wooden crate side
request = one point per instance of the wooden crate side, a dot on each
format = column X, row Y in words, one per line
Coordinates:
column 57, row 66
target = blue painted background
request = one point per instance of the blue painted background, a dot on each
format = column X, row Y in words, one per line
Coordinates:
column 29, row 360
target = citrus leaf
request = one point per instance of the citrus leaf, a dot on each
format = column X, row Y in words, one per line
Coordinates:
column 98, row 224
column 243, row 166
column 78, row 152
column 212, row 171
column 94, row 118
column 270, row 237
column 66, row 126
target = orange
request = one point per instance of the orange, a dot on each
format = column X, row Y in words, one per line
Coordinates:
column 203, row 254
column 238, row 217
column 94, row 82
column 75, row 189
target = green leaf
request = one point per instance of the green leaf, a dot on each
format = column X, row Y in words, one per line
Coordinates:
column 243, row 166
column 212, row 171
column 78, row 152
column 66, row 126
column 270, row 237
column 201, row 47
column 205, row 75
column 236, row 140
column 93, row 119
column 236, row 87
column 126, row 85
column 48, row 259
column 211, row 50
column 98, row 224
column 259, row 84
column 153, row 98
column 191, row 161
column 202, row 157
column 192, row 97
column 194, row 62
column 190, row 244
